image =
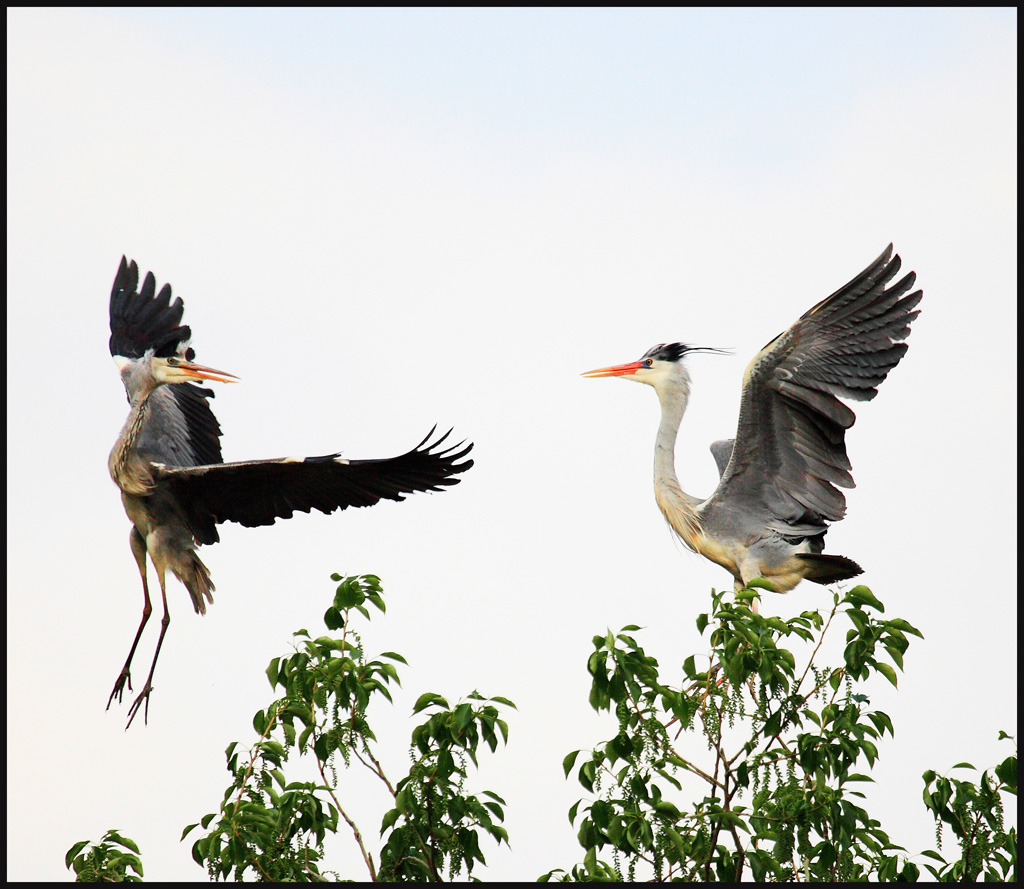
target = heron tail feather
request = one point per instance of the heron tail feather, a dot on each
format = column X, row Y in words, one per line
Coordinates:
column 825, row 569
column 197, row 582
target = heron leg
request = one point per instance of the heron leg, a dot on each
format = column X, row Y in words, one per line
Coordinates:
column 165, row 622
column 740, row 585
column 138, row 546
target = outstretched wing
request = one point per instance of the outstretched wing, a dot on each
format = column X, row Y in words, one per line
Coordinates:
column 144, row 319
column 259, row 492
column 182, row 429
column 790, row 449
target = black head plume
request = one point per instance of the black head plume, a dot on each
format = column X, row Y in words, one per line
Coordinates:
column 675, row 351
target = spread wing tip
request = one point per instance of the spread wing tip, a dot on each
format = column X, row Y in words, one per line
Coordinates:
column 142, row 318
column 448, row 463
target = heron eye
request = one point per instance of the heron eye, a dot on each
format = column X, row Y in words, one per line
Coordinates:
column 649, row 362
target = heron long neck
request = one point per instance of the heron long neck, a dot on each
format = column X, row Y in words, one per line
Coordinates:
column 678, row 507
column 129, row 471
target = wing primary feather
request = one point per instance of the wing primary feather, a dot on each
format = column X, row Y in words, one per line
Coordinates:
column 259, row 492
column 143, row 319
column 792, row 425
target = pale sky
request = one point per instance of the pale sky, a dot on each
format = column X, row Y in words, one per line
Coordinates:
column 383, row 220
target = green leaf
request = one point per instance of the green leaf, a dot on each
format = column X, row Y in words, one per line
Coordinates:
column 888, row 672
column 882, row 722
column 667, row 810
column 895, row 655
column 428, row 698
column 72, row 853
column 569, row 761
column 334, row 618
column 861, row 595
column 586, row 775
column 1006, row 772
column 272, row 671
column 348, row 596
column 677, row 842
column 900, row 624
column 742, row 774
column 463, row 716
column 573, row 809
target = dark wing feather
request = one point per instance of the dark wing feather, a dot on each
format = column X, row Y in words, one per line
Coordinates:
column 261, row 491
column 790, row 451
column 141, row 320
column 181, row 429
column 203, row 428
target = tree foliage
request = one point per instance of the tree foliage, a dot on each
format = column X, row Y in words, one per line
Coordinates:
column 105, row 861
column 974, row 812
column 750, row 768
column 276, row 829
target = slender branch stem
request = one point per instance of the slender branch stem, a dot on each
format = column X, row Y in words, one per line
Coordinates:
column 352, row 825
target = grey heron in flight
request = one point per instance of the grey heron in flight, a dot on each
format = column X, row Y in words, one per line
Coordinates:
column 174, row 484
column 777, row 493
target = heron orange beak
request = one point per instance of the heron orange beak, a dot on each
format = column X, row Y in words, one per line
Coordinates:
column 199, row 372
column 618, row 370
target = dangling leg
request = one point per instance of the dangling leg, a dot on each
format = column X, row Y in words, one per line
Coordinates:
column 165, row 622
column 139, row 551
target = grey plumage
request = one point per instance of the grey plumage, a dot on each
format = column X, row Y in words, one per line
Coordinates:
column 174, row 484
column 781, row 476
column 722, row 452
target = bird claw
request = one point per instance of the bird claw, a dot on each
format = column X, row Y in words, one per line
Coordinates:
column 125, row 676
column 137, row 703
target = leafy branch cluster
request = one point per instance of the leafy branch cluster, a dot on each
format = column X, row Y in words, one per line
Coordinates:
column 276, row 828
column 779, row 802
column 974, row 812
column 767, row 792
column 104, row 862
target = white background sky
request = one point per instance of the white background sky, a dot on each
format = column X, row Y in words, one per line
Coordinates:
column 385, row 220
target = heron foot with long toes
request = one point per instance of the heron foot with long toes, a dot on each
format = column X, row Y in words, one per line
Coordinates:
column 137, row 703
column 126, row 676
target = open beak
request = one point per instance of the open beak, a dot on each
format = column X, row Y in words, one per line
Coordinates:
column 618, row 370
column 199, row 372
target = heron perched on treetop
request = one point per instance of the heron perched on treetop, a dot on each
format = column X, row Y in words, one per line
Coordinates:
column 778, row 488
